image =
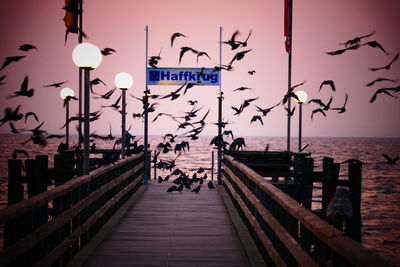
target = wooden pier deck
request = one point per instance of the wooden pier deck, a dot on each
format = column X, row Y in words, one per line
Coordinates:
column 163, row 229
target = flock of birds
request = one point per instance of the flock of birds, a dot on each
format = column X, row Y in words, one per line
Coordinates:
column 188, row 118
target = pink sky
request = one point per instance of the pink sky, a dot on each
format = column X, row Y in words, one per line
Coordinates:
column 317, row 28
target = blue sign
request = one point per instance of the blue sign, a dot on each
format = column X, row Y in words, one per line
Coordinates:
column 179, row 76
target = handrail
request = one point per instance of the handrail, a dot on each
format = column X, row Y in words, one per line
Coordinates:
column 336, row 240
column 89, row 201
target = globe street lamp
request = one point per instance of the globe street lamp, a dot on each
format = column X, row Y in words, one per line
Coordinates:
column 123, row 81
column 87, row 57
column 67, row 94
column 302, row 98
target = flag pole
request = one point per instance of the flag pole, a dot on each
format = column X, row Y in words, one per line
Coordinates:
column 146, row 118
column 80, row 30
column 289, row 10
column 220, row 98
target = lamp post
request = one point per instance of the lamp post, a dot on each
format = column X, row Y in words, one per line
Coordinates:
column 66, row 94
column 87, row 57
column 123, row 81
column 302, row 98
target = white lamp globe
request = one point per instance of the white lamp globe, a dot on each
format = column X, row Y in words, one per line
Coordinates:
column 302, row 97
column 65, row 92
column 123, row 80
column 86, row 55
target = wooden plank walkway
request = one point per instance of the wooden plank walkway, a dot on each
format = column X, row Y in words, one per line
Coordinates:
column 163, row 229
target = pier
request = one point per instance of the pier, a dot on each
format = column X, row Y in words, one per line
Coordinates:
column 259, row 216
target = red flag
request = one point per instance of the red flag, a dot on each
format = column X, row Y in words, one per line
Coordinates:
column 71, row 15
column 288, row 23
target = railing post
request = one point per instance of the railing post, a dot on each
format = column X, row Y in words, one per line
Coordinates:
column 353, row 228
column 155, row 165
column 212, row 165
column 329, row 182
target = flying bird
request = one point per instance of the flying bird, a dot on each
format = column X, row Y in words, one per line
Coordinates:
column 244, row 44
column 27, row 47
column 31, row 114
column 9, row 60
column 153, row 60
column 1, row 79
column 107, row 51
column 11, row 115
column 239, row 56
column 24, row 91
column 55, row 85
column 264, row 111
column 232, row 42
column 290, row 112
column 389, row 160
column 380, row 91
column 343, row 108
column 177, row 34
column 185, row 49
column 380, row 80
column 192, row 102
column 341, row 51
column 316, row 111
column 199, row 54
column 328, row 82
column 14, row 130
column 251, row 72
column 237, row 110
column 174, row 94
column 255, row 118
column 375, row 44
column 387, row 67
column 107, row 95
column 356, row 40
column 242, row 89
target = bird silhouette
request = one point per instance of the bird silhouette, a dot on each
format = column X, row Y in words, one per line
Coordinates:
column 387, row 67
column 24, row 91
column 1, row 80
column 237, row 110
column 161, row 114
column 290, row 113
column 9, row 60
column 107, row 51
column 228, row 132
column 242, row 89
column 14, row 130
column 175, row 35
column 199, row 54
column 251, row 72
column 339, row 209
column 107, row 95
column 210, row 185
column 255, row 118
column 380, row 80
column 264, row 111
column 179, row 188
column 174, row 94
column 244, row 44
column 192, row 102
column 197, row 189
column 389, row 160
column 237, row 144
column 380, row 91
column 185, row 49
column 328, row 82
column 115, row 105
column 11, row 115
column 316, row 111
column 30, row 113
column 319, row 102
column 171, row 189
column 201, row 121
column 341, row 51
column 247, row 102
column 27, row 47
column 95, row 81
column 375, row 44
column 232, row 41
column 55, row 85
column 356, row 40
column 343, row 108
column 153, row 60
column 239, row 56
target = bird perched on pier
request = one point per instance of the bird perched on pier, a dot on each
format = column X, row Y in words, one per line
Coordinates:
column 171, row 189
column 197, row 189
column 387, row 67
column 389, row 160
column 339, row 209
column 177, row 34
column 210, row 185
column 9, row 60
column 237, row 144
column 23, row 91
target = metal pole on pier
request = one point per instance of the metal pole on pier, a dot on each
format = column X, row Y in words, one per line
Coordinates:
column 146, row 117
column 220, row 98
column 288, row 46
column 86, row 123
column 80, row 76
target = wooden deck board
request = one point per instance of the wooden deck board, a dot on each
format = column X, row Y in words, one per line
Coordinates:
column 162, row 229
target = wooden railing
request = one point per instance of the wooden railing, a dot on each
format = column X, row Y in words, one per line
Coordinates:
column 51, row 227
column 287, row 233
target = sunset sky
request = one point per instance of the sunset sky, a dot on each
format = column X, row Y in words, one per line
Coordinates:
column 318, row 27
